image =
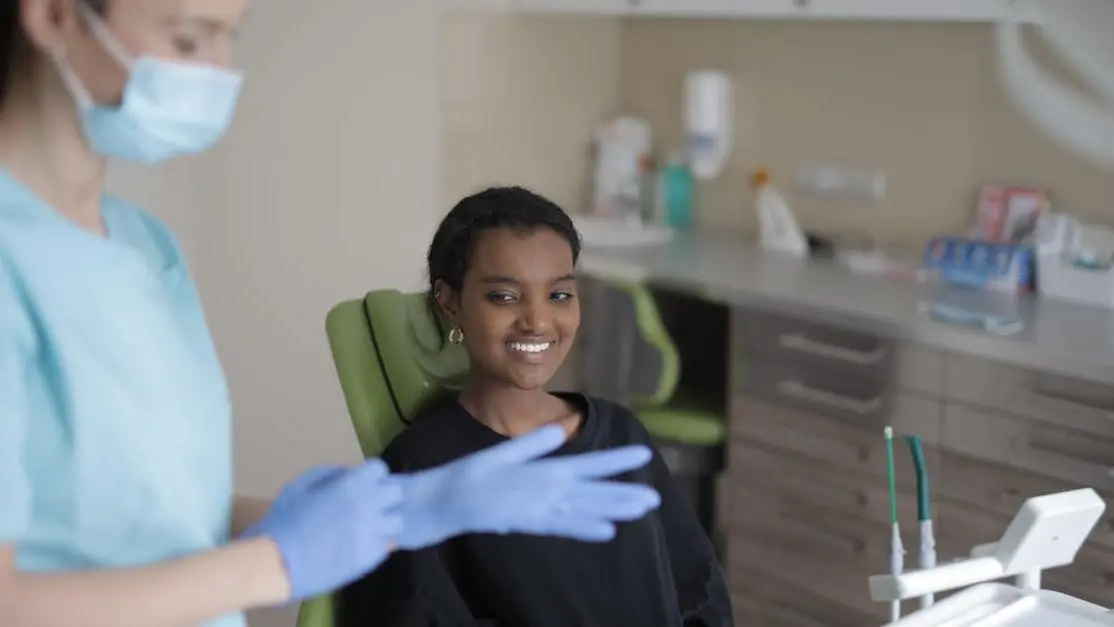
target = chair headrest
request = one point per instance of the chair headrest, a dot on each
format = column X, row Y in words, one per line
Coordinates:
column 411, row 338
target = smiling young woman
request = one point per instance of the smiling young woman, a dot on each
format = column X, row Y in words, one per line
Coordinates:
column 502, row 270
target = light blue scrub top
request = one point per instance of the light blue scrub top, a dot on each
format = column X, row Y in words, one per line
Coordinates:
column 115, row 433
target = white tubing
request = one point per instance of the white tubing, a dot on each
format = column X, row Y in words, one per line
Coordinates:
column 1073, row 121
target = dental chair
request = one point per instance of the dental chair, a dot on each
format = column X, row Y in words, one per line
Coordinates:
column 628, row 355
column 392, row 358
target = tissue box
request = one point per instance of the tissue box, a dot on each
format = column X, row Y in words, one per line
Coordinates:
column 981, row 264
column 1060, row 278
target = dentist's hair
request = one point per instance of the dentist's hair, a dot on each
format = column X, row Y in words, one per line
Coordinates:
column 514, row 208
column 15, row 49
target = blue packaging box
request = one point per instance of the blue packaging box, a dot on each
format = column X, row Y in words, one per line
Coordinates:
column 982, row 264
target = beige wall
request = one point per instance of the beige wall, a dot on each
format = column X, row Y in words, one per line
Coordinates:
column 521, row 96
column 326, row 187
column 919, row 101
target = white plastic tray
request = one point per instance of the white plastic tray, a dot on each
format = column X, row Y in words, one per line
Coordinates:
column 1001, row 605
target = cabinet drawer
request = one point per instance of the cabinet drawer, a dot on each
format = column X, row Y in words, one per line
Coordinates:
column 999, row 490
column 810, row 341
column 1073, row 456
column 858, row 399
column 852, row 509
column 849, row 535
column 758, row 336
column 762, row 601
column 829, row 584
column 1090, row 577
column 746, row 609
column 832, row 440
column 1078, row 404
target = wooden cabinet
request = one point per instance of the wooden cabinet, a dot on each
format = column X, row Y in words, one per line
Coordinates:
column 1013, row 433
column 804, row 504
column 977, row 500
column 917, row 10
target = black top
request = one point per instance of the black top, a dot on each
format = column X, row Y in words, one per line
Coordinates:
column 660, row 571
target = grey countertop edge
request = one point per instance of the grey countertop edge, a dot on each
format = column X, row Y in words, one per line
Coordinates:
column 1057, row 337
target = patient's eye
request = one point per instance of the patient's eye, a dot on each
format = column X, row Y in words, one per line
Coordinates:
column 561, row 296
column 501, row 297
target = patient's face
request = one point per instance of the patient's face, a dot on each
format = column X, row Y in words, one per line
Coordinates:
column 518, row 307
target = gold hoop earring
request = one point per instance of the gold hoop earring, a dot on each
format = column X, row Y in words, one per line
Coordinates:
column 456, row 336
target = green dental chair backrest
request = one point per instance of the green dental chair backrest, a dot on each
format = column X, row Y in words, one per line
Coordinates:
column 392, row 357
column 628, row 355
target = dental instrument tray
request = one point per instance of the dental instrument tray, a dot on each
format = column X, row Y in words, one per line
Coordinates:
column 1002, row 605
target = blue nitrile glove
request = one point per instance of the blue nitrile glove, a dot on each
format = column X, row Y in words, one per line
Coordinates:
column 332, row 525
column 506, row 489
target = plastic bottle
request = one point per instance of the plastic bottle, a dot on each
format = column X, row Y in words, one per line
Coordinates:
column 778, row 229
column 676, row 193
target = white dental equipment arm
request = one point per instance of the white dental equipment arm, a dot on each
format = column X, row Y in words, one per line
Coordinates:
column 1079, row 32
column 1046, row 533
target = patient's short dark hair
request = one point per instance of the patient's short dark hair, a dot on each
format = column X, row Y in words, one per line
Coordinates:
column 513, row 208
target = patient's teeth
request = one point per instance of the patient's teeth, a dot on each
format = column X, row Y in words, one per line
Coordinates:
column 529, row 347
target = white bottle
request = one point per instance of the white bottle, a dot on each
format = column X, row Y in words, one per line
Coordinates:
column 778, row 229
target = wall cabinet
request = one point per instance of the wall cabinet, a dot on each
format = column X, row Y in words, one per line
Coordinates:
column 912, row 10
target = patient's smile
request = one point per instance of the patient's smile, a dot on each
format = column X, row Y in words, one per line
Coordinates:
column 534, row 351
column 529, row 347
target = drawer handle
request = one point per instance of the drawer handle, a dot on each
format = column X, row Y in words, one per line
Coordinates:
column 1038, row 444
column 1076, row 402
column 798, row 390
column 801, row 344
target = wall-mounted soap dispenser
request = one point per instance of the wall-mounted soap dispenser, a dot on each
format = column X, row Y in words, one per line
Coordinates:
column 709, row 112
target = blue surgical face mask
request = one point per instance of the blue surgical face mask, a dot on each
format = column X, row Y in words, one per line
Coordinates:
column 168, row 108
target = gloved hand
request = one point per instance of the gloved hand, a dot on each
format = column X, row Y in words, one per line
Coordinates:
column 332, row 525
column 506, row 489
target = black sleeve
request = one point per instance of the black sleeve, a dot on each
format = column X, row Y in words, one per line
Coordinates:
column 411, row 589
column 701, row 588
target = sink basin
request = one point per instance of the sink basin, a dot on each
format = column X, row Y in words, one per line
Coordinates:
column 596, row 232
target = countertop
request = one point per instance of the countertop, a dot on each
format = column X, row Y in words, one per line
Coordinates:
column 1058, row 337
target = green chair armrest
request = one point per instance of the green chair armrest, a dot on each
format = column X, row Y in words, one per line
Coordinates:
column 684, row 426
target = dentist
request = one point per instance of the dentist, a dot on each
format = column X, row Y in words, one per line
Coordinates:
column 115, row 443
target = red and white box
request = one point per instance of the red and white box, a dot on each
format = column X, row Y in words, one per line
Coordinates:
column 1009, row 214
